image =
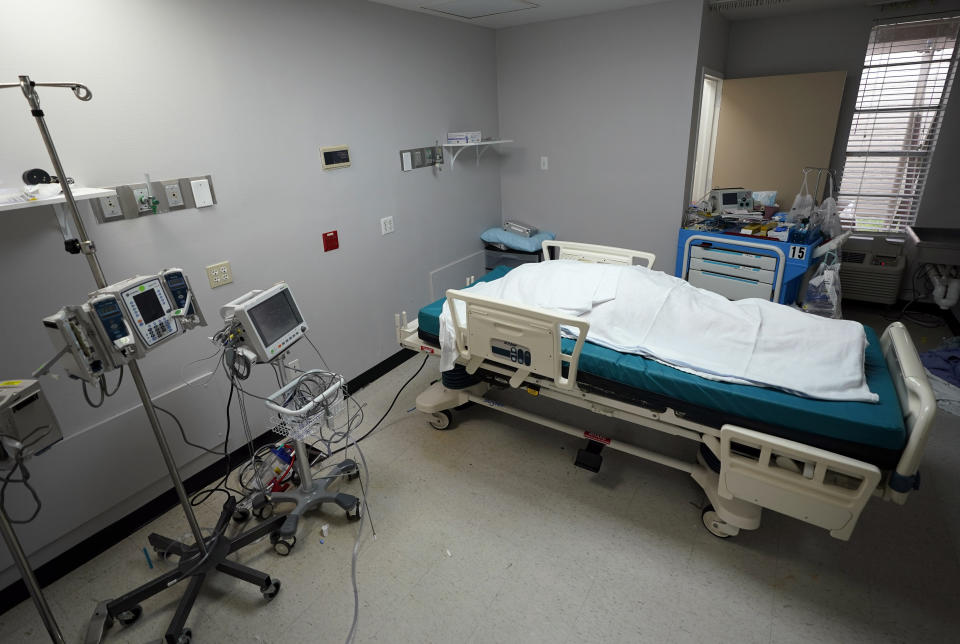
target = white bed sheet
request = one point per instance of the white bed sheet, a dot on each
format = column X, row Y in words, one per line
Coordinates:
column 635, row 310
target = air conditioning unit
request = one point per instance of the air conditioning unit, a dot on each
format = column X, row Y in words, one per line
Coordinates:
column 871, row 270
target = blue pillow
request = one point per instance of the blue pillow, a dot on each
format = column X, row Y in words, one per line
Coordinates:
column 515, row 241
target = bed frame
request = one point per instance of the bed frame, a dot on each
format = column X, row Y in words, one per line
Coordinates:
column 756, row 470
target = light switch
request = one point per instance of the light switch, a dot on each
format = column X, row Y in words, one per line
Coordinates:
column 201, row 193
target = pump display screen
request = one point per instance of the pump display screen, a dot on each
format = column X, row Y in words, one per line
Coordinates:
column 730, row 198
column 275, row 317
column 149, row 305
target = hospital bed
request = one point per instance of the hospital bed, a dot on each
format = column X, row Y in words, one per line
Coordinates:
column 817, row 461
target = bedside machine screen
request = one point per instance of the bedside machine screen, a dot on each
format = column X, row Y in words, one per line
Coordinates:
column 149, row 308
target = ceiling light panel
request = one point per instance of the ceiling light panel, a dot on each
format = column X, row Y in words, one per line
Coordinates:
column 471, row 9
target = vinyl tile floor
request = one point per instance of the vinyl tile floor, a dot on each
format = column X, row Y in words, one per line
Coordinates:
column 487, row 533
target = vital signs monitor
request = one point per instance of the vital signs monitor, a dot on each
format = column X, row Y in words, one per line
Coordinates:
column 271, row 321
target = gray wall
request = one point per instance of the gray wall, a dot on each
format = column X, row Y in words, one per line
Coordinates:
column 608, row 98
column 246, row 91
column 837, row 40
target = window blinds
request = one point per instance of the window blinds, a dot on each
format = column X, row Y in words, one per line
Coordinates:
column 906, row 79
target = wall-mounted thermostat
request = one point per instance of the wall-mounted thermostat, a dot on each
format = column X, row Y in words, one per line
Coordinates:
column 337, row 156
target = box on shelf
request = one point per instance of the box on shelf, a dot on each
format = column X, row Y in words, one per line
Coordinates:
column 462, row 138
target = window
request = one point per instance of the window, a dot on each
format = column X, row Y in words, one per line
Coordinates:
column 706, row 137
column 906, row 79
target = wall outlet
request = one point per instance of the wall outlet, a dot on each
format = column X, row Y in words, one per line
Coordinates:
column 172, row 191
column 219, row 274
column 110, row 208
column 386, row 225
column 544, row 163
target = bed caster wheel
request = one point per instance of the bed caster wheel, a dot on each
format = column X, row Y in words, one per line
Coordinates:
column 160, row 553
column 441, row 419
column 241, row 514
column 265, row 511
column 356, row 513
column 185, row 636
column 713, row 523
column 354, row 475
column 128, row 617
column 282, row 546
column 271, row 590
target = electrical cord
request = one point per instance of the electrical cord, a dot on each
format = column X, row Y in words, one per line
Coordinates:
column 86, row 394
column 392, row 403
column 356, row 543
column 115, row 389
column 102, row 386
column 183, row 434
column 320, row 355
column 203, row 495
column 925, row 320
column 18, row 464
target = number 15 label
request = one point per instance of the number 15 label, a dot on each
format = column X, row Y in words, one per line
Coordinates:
column 798, row 252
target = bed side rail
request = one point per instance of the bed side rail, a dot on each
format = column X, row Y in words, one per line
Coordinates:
column 806, row 483
column 597, row 254
column 917, row 402
column 525, row 338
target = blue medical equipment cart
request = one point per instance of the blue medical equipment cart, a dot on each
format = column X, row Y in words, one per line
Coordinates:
column 740, row 266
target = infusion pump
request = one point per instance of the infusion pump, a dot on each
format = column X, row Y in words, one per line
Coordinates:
column 122, row 322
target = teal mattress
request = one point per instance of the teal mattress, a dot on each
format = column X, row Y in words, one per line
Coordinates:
column 873, row 432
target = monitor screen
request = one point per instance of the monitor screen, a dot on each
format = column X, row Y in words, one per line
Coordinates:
column 730, row 198
column 275, row 316
column 149, row 305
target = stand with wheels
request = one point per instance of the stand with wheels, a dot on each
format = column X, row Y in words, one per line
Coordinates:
column 195, row 562
column 206, row 554
column 298, row 422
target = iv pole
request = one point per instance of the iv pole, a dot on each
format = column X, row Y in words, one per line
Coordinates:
column 87, row 248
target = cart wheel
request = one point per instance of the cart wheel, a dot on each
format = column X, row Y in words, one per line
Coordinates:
column 241, row 514
column 356, row 513
column 712, row 522
column 161, row 553
column 283, row 547
column 128, row 617
column 354, row 475
column 441, row 419
column 265, row 511
column 185, row 636
column 272, row 589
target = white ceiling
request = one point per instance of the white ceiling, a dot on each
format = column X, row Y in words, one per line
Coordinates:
column 555, row 9
column 547, row 10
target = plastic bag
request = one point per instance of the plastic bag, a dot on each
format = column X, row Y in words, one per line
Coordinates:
column 766, row 198
column 823, row 290
column 803, row 203
column 831, row 225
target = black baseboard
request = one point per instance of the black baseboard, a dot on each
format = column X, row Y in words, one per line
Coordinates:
column 116, row 532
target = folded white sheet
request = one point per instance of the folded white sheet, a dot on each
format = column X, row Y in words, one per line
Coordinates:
column 636, row 310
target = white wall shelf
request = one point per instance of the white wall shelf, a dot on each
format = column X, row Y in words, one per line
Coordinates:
column 79, row 194
column 480, row 148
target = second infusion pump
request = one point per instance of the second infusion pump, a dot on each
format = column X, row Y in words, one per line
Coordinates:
column 122, row 322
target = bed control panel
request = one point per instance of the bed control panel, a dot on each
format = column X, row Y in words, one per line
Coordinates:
column 511, row 351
